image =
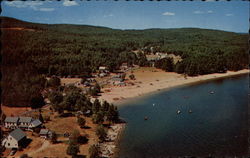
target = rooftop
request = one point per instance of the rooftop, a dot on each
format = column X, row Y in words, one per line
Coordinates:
column 152, row 57
column 25, row 119
column 17, row 134
column 44, row 131
column 11, row 119
column 102, row 67
column 117, row 79
column 36, row 123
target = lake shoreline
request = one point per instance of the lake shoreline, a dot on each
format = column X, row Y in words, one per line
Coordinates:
column 198, row 79
column 109, row 148
column 148, row 106
column 153, row 86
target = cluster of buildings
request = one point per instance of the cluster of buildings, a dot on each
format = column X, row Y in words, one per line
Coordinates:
column 103, row 71
column 17, row 137
column 152, row 58
column 117, row 80
column 26, row 123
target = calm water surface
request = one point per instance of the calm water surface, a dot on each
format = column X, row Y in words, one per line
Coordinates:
column 216, row 126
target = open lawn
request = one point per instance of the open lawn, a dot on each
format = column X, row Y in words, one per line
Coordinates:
column 53, row 150
column 67, row 124
column 14, row 111
column 39, row 147
column 67, row 81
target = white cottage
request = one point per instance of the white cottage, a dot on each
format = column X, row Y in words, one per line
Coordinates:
column 11, row 122
column 34, row 124
column 15, row 139
column 24, row 122
column 45, row 133
column 124, row 66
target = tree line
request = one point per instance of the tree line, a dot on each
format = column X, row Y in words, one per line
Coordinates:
column 72, row 99
column 206, row 62
column 29, row 56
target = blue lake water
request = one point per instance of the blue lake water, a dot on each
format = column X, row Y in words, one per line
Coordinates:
column 217, row 125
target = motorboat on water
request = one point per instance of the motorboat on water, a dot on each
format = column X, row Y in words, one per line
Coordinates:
column 211, row 92
column 190, row 111
column 178, row 111
column 145, row 118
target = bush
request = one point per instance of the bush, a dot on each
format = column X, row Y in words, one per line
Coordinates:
column 165, row 64
column 54, row 81
column 132, row 77
column 112, row 114
column 81, row 122
column 54, row 138
column 41, row 118
column 98, row 118
column 82, row 139
column 74, row 137
column 83, row 79
column 96, row 106
column 46, row 118
column 55, row 97
column 73, row 149
column 24, row 156
column 101, row 133
column 94, row 151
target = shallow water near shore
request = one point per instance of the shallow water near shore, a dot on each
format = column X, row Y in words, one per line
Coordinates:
column 217, row 125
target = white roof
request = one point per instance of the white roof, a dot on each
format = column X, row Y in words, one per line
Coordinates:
column 44, row 131
column 102, row 67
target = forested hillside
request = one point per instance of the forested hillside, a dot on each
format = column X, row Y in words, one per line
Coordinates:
column 65, row 50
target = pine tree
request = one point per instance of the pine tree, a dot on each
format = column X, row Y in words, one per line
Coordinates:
column 41, row 118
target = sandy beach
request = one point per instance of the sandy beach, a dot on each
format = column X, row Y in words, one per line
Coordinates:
column 150, row 80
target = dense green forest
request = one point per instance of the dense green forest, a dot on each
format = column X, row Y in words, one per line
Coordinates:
column 70, row 50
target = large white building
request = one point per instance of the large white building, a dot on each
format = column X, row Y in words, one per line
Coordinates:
column 15, row 139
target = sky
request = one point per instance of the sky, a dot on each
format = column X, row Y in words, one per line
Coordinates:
column 230, row 16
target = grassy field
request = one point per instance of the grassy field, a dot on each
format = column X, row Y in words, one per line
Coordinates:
column 60, row 125
column 40, row 147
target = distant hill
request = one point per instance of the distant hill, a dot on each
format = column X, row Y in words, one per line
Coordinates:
column 7, row 22
column 93, row 46
column 66, row 41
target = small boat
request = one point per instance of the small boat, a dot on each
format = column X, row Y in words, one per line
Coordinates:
column 212, row 92
column 145, row 118
column 178, row 111
column 153, row 104
column 190, row 111
column 185, row 97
